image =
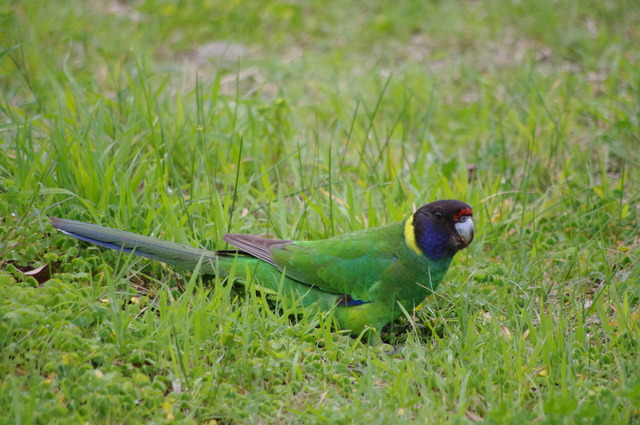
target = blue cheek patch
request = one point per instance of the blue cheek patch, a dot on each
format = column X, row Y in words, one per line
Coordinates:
column 433, row 242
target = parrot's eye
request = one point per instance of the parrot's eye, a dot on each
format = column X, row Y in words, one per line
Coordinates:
column 439, row 215
column 463, row 218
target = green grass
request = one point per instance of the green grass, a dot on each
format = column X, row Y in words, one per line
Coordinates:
column 339, row 116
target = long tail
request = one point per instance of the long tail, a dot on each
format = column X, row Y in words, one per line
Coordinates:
column 266, row 276
column 143, row 246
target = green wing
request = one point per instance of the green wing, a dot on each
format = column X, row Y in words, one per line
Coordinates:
column 351, row 264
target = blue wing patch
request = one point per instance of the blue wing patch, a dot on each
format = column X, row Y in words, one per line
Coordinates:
column 348, row 301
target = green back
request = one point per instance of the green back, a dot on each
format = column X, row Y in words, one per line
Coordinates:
column 369, row 265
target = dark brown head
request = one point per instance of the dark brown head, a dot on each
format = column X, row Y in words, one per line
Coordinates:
column 440, row 229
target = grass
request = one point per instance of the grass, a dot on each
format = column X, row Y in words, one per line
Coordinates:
column 332, row 117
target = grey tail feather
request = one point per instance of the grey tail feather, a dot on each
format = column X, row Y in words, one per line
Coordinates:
column 254, row 245
column 142, row 246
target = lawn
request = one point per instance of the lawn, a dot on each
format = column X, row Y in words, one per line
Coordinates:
column 303, row 120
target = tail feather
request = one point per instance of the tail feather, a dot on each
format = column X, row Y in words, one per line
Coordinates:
column 142, row 246
column 240, row 265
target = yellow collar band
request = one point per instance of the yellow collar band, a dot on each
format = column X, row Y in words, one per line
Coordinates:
column 410, row 236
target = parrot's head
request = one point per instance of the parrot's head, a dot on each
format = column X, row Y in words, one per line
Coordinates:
column 440, row 229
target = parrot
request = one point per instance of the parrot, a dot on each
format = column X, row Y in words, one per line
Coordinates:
column 365, row 279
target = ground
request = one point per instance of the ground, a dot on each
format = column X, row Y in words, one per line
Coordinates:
column 302, row 120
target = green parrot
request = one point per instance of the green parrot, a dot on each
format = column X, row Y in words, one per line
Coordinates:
column 365, row 278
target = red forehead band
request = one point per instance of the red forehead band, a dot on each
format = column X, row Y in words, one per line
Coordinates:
column 461, row 213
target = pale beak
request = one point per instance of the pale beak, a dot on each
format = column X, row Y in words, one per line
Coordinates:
column 465, row 230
